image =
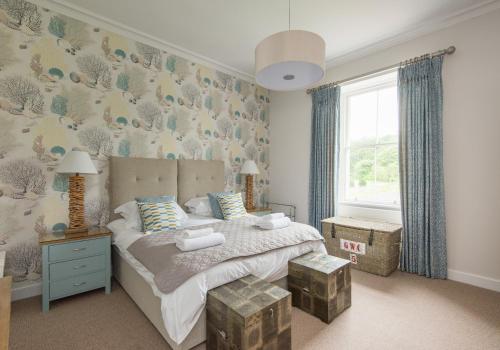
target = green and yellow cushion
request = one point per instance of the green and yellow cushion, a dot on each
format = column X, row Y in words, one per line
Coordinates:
column 214, row 203
column 231, row 206
column 158, row 217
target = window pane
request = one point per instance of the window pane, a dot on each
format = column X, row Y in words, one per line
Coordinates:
column 388, row 115
column 362, row 120
column 369, row 150
column 387, row 174
column 361, row 174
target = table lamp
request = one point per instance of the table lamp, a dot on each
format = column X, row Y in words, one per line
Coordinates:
column 76, row 163
column 249, row 168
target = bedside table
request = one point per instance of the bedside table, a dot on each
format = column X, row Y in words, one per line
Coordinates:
column 259, row 211
column 75, row 263
column 5, row 299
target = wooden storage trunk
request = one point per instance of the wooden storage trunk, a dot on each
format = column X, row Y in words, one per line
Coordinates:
column 249, row 314
column 371, row 246
column 320, row 284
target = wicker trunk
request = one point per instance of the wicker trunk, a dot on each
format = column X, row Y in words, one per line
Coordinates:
column 370, row 245
column 320, row 284
column 249, row 314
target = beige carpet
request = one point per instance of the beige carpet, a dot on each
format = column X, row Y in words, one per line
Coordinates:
column 399, row 312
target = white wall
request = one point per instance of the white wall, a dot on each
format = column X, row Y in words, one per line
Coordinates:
column 289, row 152
column 471, row 79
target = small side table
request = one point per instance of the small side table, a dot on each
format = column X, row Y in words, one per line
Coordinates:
column 249, row 313
column 320, row 284
column 75, row 263
column 259, row 211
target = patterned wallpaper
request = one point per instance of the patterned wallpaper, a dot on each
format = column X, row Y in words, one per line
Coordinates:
column 65, row 85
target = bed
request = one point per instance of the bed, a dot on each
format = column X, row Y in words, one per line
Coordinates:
column 180, row 316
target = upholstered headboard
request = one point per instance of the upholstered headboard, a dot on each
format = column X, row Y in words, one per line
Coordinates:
column 198, row 177
column 185, row 179
column 132, row 177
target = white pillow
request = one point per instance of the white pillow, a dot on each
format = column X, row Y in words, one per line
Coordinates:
column 130, row 212
column 116, row 225
column 181, row 214
column 199, row 206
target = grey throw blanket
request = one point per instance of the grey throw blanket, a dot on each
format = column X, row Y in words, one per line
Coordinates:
column 172, row 267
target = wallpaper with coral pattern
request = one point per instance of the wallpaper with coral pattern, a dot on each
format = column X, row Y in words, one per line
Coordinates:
column 68, row 85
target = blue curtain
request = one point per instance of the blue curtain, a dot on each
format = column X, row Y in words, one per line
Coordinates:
column 420, row 95
column 324, row 154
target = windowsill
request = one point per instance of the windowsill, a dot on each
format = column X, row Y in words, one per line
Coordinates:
column 370, row 212
column 371, row 205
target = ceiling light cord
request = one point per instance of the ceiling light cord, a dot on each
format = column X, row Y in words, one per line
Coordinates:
column 288, row 15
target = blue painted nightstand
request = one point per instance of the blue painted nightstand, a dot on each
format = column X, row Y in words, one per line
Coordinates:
column 75, row 263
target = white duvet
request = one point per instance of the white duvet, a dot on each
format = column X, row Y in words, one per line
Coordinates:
column 182, row 308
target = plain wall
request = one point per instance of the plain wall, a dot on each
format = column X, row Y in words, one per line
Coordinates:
column 471, row 122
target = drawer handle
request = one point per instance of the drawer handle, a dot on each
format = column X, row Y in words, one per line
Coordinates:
column 306, row 290
column 79, row 249
column 79, row 284
column 271, row 310
column 222, row 334
column 79, row 267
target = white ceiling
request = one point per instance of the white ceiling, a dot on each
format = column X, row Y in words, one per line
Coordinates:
column 227, row 31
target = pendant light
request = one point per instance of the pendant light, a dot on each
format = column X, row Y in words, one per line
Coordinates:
column 290, row 60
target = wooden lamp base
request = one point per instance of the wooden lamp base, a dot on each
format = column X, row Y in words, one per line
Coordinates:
column 249, row 192
column 76, row 204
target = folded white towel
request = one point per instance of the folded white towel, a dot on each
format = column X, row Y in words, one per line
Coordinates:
column 272, row 216
column 212, row 239
column 197, row 233
column 274, row 224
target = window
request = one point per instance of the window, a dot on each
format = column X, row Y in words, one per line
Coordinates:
column 369, row 161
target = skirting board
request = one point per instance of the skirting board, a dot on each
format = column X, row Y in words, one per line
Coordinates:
column 34, row 289
column 475, row 280
column 25, row 290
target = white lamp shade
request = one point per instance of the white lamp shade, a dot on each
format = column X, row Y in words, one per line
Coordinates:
column 77, row 162
column 290, row 60
column 249, row 167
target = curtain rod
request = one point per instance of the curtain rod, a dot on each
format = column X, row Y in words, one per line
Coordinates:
column 447, row 51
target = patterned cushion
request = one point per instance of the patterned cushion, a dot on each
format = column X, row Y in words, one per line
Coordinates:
column 181, row 214
column 214, row 203
column 232, row 206
column 158, row 217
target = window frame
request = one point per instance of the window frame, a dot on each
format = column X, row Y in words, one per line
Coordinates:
column 385, row 80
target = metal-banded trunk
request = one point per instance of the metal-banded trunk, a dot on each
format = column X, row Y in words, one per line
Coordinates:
column 249, row 314
column 370, row 245
column 320, row 284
